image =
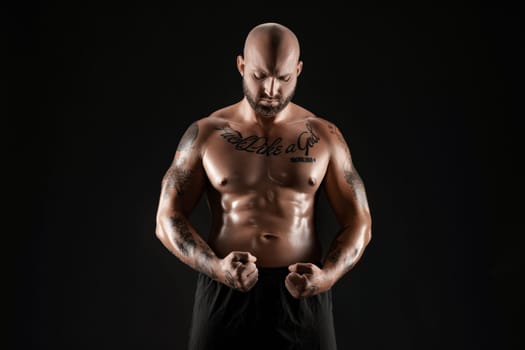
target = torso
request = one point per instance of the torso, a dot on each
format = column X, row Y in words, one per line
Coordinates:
column 263, row 184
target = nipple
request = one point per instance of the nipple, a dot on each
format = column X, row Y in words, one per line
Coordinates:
column 311, row 181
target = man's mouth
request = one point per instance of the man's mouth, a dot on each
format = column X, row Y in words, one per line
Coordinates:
column 269, row 100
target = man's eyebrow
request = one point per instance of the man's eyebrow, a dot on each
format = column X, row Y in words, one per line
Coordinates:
column 260, row 70
column 265, row 72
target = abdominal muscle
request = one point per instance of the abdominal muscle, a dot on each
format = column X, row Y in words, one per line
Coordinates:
column 278, row 232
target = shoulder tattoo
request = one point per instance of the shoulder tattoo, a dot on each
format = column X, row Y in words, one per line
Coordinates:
column 189, row 137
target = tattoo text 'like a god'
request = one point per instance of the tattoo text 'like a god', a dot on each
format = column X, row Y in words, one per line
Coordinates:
column 262, row 145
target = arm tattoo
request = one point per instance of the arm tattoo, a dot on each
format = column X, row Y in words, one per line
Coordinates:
column 336, row 252
column 335, row 131
column 351, row 175
column 188, row 138
column 203, row 261
column 354, row 180
column 185, row 241
column 178, row 179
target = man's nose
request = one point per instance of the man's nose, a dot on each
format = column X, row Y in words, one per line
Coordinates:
column 271, row 87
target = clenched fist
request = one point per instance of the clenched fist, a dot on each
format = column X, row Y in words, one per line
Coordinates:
column 238, row 271
column 306, row 279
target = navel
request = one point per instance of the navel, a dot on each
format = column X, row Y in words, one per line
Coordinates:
column 270, row 195
column 269, row 236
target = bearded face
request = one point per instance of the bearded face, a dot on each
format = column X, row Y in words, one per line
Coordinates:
column 263, row 104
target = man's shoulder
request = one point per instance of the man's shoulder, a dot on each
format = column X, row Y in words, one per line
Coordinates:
column 215, row 119
column 319, row 124
column 201, row 128
column 323, row 123
column 314, row 119
column 326, row 129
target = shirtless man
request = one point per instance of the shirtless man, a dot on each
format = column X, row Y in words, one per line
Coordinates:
column 262, row 281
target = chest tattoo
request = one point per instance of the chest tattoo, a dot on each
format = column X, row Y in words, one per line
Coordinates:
column 300, row 149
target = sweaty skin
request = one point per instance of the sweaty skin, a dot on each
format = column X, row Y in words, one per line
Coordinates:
column 261, row 162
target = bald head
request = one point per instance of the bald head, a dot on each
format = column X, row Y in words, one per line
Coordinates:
column 273, row 41
column 269, row 66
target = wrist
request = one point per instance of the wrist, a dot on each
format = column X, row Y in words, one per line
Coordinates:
column 217, row 269
column 331, row 275
column 209, row 265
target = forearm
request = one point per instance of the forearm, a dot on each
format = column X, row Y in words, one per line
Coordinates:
column 346, row 250
column 180, row 237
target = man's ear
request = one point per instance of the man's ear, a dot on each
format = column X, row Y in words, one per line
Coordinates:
column 299, row 67
column 240, row 65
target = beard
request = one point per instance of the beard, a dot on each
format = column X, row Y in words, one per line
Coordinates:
column 266, row 110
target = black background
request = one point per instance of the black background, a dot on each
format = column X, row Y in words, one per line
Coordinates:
column 98, row 97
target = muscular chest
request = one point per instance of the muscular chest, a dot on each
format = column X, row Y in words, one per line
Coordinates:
column 241, row 159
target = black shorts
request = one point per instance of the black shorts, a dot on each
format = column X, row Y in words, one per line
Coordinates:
column 266, row 317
